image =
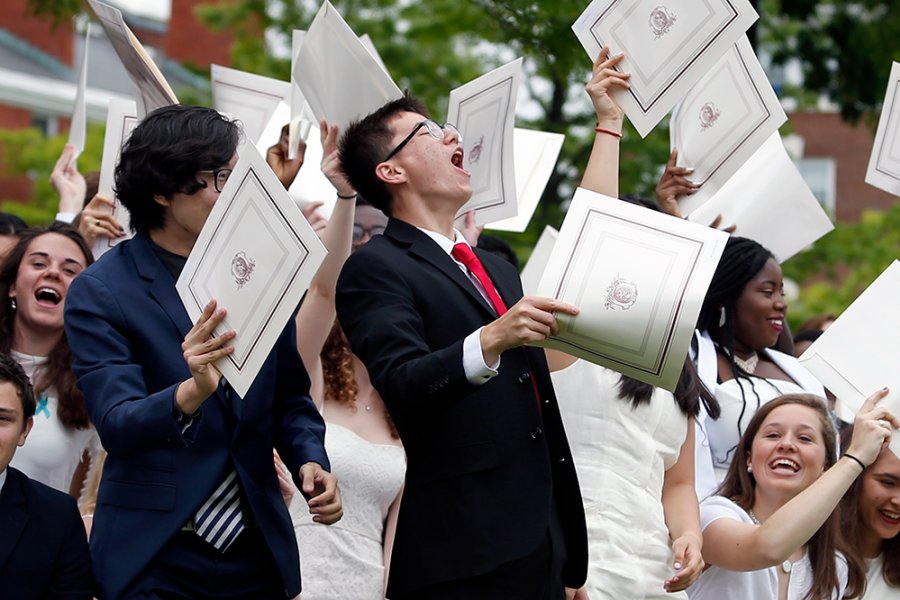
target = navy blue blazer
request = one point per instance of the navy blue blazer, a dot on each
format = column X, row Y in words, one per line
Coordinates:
column 125, row 324
column 43, row 547
column 484, row 463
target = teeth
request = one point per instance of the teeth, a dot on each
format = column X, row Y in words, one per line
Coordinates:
column 49, row 291
column 891, row 515
column 784, row 462
column 776, row 321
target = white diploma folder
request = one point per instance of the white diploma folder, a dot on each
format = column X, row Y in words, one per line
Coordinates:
column 256, row 256
column 668, row 47
column 301, row 117
column 253, row 99
column 484, row 111
column 78, row 125
column 338, row 76
column 533, row 270
column 723, row 120
column 857, row 354
column 884, row 163
column 153, row 90
column 769, row 201
column 535, row 156
column 121, row 119
column 638, row 277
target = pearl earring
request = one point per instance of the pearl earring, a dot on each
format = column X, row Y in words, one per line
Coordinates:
column 12, row 303
column 721, row 316
column 750, row 468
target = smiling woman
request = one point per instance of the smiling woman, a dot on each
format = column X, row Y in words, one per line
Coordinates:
column 34, row 281
column 772, row 532
column 740, row 320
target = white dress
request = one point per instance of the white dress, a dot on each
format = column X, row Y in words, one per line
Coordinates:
column 346, row 559
column 716, row 583
column 52, row 451
column 621, row 455
column 876, row 587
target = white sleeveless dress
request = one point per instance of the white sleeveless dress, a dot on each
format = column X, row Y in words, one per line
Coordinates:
column 621, row 455
column 346, row 560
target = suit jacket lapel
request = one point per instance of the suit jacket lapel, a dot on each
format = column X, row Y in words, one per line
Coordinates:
column 425, row 248
column 162, row 288
column 13, row 514
column 162, row 285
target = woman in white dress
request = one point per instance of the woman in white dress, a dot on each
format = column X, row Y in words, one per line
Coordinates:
column 870, row 518
column 742, row 316
column 772, row 531
column 350, row 558
column 632, row 444
column 34, row 281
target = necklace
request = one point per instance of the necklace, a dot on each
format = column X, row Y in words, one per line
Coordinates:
column 787, row 565
column 748, row 365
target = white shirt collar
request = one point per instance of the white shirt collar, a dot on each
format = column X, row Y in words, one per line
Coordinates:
column 3, row 479
column 445, row 243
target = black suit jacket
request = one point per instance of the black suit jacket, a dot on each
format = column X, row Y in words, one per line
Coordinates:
column 483, row 461
column 43, row 546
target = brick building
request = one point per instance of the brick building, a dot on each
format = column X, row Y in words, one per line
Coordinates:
column 39, row 65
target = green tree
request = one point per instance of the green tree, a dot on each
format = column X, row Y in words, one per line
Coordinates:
column 29, row 152
column 843, row 263
column 845, row 47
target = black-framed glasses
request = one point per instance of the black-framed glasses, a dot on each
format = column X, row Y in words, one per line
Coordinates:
column 359, row 232
column 219, row 177
column 436, row 130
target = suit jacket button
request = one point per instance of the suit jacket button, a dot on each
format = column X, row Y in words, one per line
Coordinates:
column 563, row 459
column 537, row 433
column 524, row 377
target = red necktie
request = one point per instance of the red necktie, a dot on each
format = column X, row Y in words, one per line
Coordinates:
column 464, row 254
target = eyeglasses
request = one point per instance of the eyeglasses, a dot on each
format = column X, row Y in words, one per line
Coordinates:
column 436, row 130
column 219, row 176
column 360, row 232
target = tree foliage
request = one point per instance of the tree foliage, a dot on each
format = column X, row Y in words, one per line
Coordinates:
column 845, row 47
column 842, row 264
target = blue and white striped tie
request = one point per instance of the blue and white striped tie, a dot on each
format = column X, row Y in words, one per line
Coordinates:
column 220, row 520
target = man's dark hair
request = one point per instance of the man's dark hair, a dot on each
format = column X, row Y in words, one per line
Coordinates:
column 364, row 145
column 164, row 153
column 12, row 372
column 11, row 224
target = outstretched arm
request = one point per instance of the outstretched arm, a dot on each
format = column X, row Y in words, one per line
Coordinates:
column 683, row 517
column 738, row 546
column 316, row 315
column 602, row 172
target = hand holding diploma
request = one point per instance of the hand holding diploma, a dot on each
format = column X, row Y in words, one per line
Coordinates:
column 529, row 320
column 200, row 353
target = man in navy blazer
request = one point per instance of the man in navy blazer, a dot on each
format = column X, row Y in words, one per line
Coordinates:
column 491, row 506
column 189, row 503
column 43, row 547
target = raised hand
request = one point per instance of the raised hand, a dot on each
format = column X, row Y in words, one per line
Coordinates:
column 872, row 428
column 68, row 182
column 277, row 156
column 603, row 78
column 201, row 351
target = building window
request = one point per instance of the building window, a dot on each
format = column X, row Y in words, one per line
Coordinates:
column 47, row 125
column 820, row 176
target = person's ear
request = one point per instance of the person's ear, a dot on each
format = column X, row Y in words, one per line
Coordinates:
column 29, row 422
column 390, row 172
column 162, row 200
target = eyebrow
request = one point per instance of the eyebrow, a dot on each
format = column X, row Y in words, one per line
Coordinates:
column 9, row 411
column 802, row 426
column 886, row 475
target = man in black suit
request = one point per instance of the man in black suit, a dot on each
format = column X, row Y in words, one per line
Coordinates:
column 43, row 546
column 491, row 506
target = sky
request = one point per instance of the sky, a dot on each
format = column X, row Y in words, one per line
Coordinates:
column 159, row 9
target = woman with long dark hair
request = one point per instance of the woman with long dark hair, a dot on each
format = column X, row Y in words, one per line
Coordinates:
column 34, row 281
column 771, row 532
column 870, row 518
column 742, row 315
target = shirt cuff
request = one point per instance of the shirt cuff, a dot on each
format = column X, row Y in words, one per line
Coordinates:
column 66, row 217
column 182, row 420
column 477, row 372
